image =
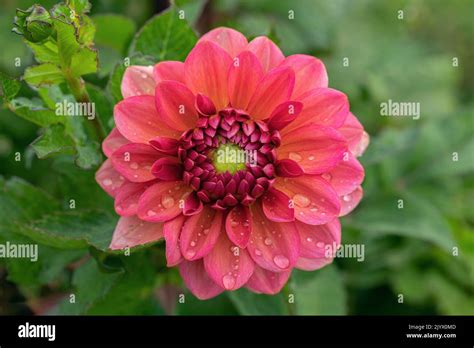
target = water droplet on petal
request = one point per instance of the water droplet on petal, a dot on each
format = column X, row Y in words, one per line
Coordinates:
column 327, row 176
column 320, row 245
column 167, row 201
column 311, row 158
column 193, row 243
column 205, row 231
column 234, row 223
column 301, row 200
column 134, row 165
column 295, row 156
column 107, row 182
column 281, row 261
column 258, row 252
column 190, row 253
column 309, row 239
column 228, row 281
column 151, row 213
column 267, row 241
column 346, row 198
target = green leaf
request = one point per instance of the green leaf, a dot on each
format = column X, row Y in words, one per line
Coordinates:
column 103, row 106
column 44, row 74
column 67, row 42
column 21, row 201
column 46, row 52
column 9, row 87
column 249, row 303
column 165, row 37
column 84, row 62
column 319, row 293
column 90, row 286
column 53, row 141
column 80, row 6
column 417, row 219
column 72, row 230
column 34, row 111
column 114, row 31
column 87, row 31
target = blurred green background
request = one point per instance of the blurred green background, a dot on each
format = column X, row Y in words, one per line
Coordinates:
column 424, row 252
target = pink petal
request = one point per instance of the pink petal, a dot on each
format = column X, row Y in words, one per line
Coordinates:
column 108, row 178
column 244, row 75
column 168, row 169
column 315, row 148
column 274, row 89
column 276, row 206
column 126, row 201
column 267, row 282
column 169, row 70
column 273, row 245
column 309, row 71
column 131, row 231
column 319, row 242
column 138, row 121
column 238, row 225
column 204, row 105
column 228, row 265
column 267, row 52
column 175, row 105
column 138, row 80
column 165, row 145
column 161, row 201
column 200, row 233
column 323, row 106
column 355, row 135
column 206, row 69
column 306, row 264
column 230, row 40
column 315, row 201
column 113, row 141
column 197, row 280
column 346, row 176
column 351, row 200
column 192, row 205
column 134, row 161
column 288, row 168
column 284, row 114
column 172, row 231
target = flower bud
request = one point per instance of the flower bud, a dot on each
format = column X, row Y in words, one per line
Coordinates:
column 34, row 24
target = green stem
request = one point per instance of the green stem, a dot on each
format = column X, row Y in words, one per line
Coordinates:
column 79, row 91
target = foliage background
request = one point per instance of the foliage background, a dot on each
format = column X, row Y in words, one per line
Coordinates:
column 408, row 251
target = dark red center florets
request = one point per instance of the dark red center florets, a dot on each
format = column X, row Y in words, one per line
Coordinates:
column 197, row 149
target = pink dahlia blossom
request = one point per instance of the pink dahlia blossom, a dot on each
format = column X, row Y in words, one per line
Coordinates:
column 230, row 223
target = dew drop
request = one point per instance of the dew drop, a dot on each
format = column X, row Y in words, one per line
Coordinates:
column 301, row 200
column 295, row 156
column 346, row 198
column 190, row 253
column 151, row 213
column 309, row 239
column 205, row 231
column 320, row 244
column 234, row 223
column 134, row 165
column 311, row 158
column 327, row 176
column 193, row 243
column 267, row 241
column 258, row 252
column 107, row 182
column 281, row 261
column 167, row 201
column 228, row 281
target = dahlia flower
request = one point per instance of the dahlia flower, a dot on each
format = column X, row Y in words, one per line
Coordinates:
column 233, row 223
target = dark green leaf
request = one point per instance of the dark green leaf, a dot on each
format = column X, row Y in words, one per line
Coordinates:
column 53, row 141
column 165, row 37
column 44, row 74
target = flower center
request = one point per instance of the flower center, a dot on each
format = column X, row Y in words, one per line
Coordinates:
column 229, row 158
